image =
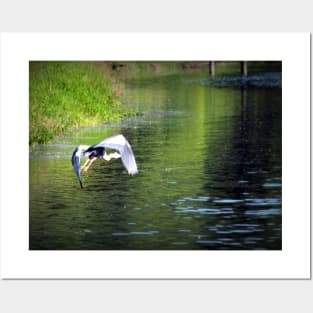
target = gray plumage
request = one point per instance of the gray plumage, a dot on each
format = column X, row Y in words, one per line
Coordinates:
column 117, row 142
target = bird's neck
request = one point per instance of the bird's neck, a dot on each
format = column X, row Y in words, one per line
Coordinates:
column 82, row 148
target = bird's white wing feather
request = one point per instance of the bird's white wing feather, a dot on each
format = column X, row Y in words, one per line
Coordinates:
column 116, row 142
column 119, row 143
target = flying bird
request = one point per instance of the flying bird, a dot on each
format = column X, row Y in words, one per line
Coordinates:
column 94, row 152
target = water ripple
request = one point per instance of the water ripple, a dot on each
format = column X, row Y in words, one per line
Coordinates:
column 136, row 233
column 211, row 211
column 227, row 201
column 264, row 212
column 263, row 202
column 196, row 199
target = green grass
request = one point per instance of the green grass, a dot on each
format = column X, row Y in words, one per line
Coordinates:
column 65, row 95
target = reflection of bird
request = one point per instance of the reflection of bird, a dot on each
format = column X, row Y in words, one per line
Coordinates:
column 94, row 152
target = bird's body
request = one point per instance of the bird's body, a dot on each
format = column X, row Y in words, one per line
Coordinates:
column 94, row 152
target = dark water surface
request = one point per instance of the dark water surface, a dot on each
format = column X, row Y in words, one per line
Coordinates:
column 210, row 173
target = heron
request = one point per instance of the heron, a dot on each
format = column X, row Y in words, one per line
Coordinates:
column 97, row 151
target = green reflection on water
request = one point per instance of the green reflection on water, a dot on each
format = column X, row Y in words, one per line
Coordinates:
column 204, row 155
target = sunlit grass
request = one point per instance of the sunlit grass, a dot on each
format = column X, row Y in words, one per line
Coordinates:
column 65, row 95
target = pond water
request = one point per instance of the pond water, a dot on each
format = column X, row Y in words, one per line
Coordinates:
column 210, row 172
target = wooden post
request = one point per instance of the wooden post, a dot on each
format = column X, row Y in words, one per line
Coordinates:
column 212, row 68
column 243, row 94
column 244, row 68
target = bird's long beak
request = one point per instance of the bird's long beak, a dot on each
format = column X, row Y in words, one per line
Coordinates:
column 81, row 183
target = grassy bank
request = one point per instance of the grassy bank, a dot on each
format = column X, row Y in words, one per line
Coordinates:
column 64, row 95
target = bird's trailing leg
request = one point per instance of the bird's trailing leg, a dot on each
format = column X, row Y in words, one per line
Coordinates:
column 87, row 164
column 82, row 168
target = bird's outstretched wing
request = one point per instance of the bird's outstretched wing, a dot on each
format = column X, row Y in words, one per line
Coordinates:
column 119, row 143
column 76, row 164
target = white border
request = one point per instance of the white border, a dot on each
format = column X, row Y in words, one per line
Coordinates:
column 292, row 262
